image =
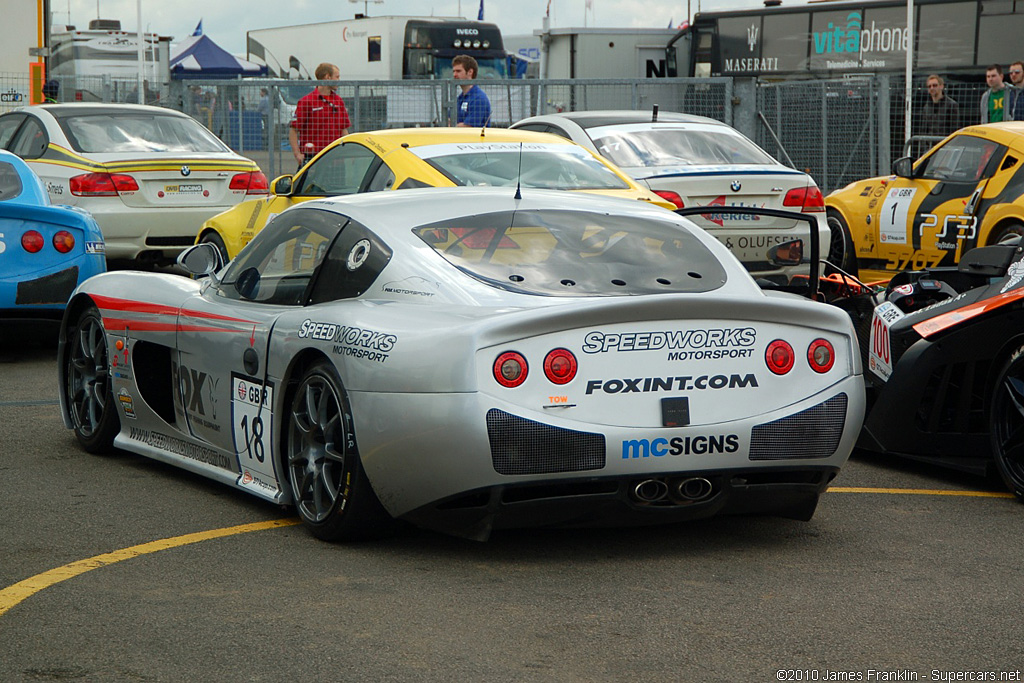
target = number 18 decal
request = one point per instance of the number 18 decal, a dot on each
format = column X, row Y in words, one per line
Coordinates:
column 252, row 423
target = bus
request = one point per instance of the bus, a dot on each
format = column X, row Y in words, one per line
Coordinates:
column 380, row 48
column 827, row 40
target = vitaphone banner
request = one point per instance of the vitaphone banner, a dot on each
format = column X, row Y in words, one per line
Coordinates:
column 854, row 38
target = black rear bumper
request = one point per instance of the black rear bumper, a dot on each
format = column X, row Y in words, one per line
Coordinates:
column 610, row 502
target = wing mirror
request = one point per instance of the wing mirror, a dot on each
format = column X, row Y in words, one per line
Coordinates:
column 903, row 167
column 201, row 259
column 787, row 254
column 282, row 186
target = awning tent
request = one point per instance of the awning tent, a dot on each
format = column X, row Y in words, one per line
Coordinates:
column 200, row 57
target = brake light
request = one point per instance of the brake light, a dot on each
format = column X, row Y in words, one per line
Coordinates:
column 560, row 366
column 32, row 241
column 253, row 183
column 821, row 356
column 779, row 357
column 102, row 184
column 510, row 369
column 670, row 196
column 808, row 198
column 63, row 241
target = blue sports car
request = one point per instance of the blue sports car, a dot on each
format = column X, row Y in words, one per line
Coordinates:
column 45, row 251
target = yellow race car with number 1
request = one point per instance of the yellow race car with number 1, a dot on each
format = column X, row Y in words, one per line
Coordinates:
column 428, row 157
column 967, row 191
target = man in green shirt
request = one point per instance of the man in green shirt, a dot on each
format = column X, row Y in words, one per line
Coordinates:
column 993, row 99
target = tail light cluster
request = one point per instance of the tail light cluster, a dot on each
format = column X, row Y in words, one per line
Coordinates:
column 670, row 196
column 33, row 241
column 102, row 184
column 780, row 358
column 809, row 199
column 510, row 368
column 253, row 183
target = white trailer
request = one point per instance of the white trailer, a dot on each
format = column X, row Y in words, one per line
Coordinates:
column 101, row 63
column 604, row 52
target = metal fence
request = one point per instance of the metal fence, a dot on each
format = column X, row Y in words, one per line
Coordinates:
column 838, row 131
column 844, row 130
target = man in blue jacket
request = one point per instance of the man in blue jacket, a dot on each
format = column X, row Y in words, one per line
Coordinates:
column 473, row 109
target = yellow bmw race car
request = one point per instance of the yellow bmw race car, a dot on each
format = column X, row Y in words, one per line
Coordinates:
column 427, row 157
column 966, row 191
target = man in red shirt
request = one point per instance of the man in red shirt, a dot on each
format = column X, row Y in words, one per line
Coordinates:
column 320, row 117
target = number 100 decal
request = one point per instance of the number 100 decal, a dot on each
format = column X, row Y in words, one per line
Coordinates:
column 252, row 422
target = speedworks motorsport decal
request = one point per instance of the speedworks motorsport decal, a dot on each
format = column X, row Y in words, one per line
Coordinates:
column 701, row 344
column 639, row 385
column 680, row 445
column 350, row 341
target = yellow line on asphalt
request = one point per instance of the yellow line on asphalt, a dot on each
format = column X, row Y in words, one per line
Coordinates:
column 920, row 492
column 12, row 595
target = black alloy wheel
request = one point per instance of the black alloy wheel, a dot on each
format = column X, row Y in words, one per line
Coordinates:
column 89, row 395
column 840, row 246
column 329, row 489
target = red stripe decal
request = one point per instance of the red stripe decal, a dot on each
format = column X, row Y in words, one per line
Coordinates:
column 214, row 316
column 113, row 304
column 147, row 326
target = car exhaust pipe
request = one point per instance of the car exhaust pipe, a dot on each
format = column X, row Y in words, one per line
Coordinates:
column 694, row 489
column 650, row 491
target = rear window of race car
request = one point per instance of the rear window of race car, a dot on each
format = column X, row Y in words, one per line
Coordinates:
column 123, row 131
column 10, row 182
column 507, row 164
column 573, row 253
column 645, row 145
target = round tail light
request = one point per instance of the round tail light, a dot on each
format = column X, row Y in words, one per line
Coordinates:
column 779, row 357
column 63, row 241
column 510, row 369
column 32, row 241
column 821, row 355
column 560, row 366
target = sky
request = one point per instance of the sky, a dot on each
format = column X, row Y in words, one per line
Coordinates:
column 226, row 21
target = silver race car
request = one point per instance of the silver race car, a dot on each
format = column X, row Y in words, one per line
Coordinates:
column 466, row 360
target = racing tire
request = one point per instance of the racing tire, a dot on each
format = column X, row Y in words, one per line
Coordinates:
column 329, row 489
column 1006, row 423
column 216, row 240
column 1011, row 231
column 840, row 246
column 90, row 398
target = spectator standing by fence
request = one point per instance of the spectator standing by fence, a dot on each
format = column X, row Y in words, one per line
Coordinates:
column 266, row 124
column 473, row 109
column 1016, row 107
column 941, row 114
column 994, row 101
column 320, row 117
column 50, row 90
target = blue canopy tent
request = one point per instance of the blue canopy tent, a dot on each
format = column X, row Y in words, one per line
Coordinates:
column 200, row 57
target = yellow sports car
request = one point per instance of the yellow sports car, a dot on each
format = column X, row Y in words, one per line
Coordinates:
column 966, row 191
column 427, row 157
